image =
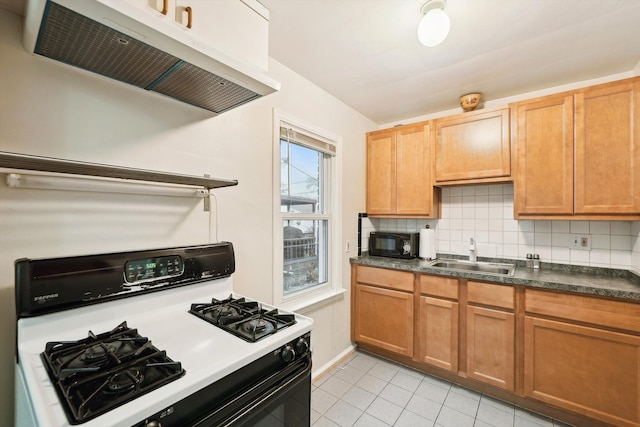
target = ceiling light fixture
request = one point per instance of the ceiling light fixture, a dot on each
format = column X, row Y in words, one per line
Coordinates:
column 434, row 25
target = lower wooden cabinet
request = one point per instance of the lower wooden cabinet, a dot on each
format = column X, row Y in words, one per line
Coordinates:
column 382, row 306
column 438, row 320
column 583, row 354
column 491, row 346
column 563, row 354
column 491, row 334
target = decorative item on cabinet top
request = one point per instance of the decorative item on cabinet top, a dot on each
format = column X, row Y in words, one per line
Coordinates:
column 470, row 101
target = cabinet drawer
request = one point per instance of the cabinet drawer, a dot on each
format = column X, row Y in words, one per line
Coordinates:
column 402, row 280
column 494, row 295
column 439, row 286
column 597, row 311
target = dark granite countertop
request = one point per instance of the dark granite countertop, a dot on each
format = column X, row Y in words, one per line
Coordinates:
column 607, row 282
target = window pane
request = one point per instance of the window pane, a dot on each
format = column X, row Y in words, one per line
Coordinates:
column 305, row 254
column 301, row 179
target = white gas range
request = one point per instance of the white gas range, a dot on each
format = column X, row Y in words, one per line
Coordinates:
column 154, row 338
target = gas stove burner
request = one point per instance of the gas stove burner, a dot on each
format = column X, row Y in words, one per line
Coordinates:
column 224, row 311
column 102, row 372
column 254, row 326
column 98, row 352
column 123, row 381
column 245, row 319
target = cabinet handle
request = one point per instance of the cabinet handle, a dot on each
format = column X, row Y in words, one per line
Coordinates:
column 165, row 7
column 189, row 16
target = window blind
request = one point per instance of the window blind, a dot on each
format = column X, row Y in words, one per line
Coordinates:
column 297, row 136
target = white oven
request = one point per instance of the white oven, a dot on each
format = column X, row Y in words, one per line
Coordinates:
column 154, row 338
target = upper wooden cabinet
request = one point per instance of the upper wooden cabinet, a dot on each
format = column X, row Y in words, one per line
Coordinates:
column 607, row 149
column 399, row 173
column 576, row 153
column 473, row 147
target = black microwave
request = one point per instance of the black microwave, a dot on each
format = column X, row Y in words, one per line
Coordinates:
column 394, row 245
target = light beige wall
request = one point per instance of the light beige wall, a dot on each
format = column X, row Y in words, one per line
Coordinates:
column 54, row 110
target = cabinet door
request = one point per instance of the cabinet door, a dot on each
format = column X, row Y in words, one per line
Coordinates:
column 438, row 319
column 381, row 172
column 384, row 318
column 544, row 156
column 238, row 28
column 491, row 347
column 473, row 146
column 413, row 192
column 587, row 370
column 607, row 149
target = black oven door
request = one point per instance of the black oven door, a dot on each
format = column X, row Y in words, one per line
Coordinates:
column 281, row 400
column 271, row 391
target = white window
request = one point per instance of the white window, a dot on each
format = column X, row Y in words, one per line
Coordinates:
column 307, row 242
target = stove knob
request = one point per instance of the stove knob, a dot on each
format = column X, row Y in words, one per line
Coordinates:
column 302, row 346
column 288, row 354
column 153, row 423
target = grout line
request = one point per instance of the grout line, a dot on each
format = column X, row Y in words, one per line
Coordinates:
column 331, row 373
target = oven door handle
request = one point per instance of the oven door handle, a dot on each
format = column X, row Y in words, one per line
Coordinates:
column 252, row 399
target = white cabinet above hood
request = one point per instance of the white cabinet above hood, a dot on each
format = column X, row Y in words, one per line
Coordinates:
column 125, row 42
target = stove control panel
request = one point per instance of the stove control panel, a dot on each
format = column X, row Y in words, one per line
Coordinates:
column 56, row 284
column 142, row 270
column 295, row 349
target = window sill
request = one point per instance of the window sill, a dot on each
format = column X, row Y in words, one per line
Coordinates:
column 314, row 302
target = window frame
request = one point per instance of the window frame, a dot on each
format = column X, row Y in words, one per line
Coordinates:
column 332, row 198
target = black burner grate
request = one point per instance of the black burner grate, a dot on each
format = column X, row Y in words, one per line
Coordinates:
column 245, row 319
column 102, row 372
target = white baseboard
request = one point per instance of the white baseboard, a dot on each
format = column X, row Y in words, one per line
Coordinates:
column 333, row 362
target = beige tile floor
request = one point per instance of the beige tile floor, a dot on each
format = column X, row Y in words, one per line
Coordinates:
column 368, row 391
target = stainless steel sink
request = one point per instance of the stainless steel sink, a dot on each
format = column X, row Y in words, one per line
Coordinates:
column 478, row 266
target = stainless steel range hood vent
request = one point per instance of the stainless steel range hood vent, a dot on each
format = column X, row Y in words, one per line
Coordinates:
column 128, row 45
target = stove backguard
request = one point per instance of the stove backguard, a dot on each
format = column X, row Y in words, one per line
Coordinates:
column 56, row 284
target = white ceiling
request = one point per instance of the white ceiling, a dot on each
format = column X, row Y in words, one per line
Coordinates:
column 366, row 52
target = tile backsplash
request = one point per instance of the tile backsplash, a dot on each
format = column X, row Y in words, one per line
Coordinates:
column 485, row 213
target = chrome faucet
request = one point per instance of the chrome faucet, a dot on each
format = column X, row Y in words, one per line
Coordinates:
column 472, row 250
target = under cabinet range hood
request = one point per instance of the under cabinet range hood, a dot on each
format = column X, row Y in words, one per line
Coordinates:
column 144, row 48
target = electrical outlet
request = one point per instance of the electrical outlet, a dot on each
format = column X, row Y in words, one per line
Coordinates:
column 580, row 241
